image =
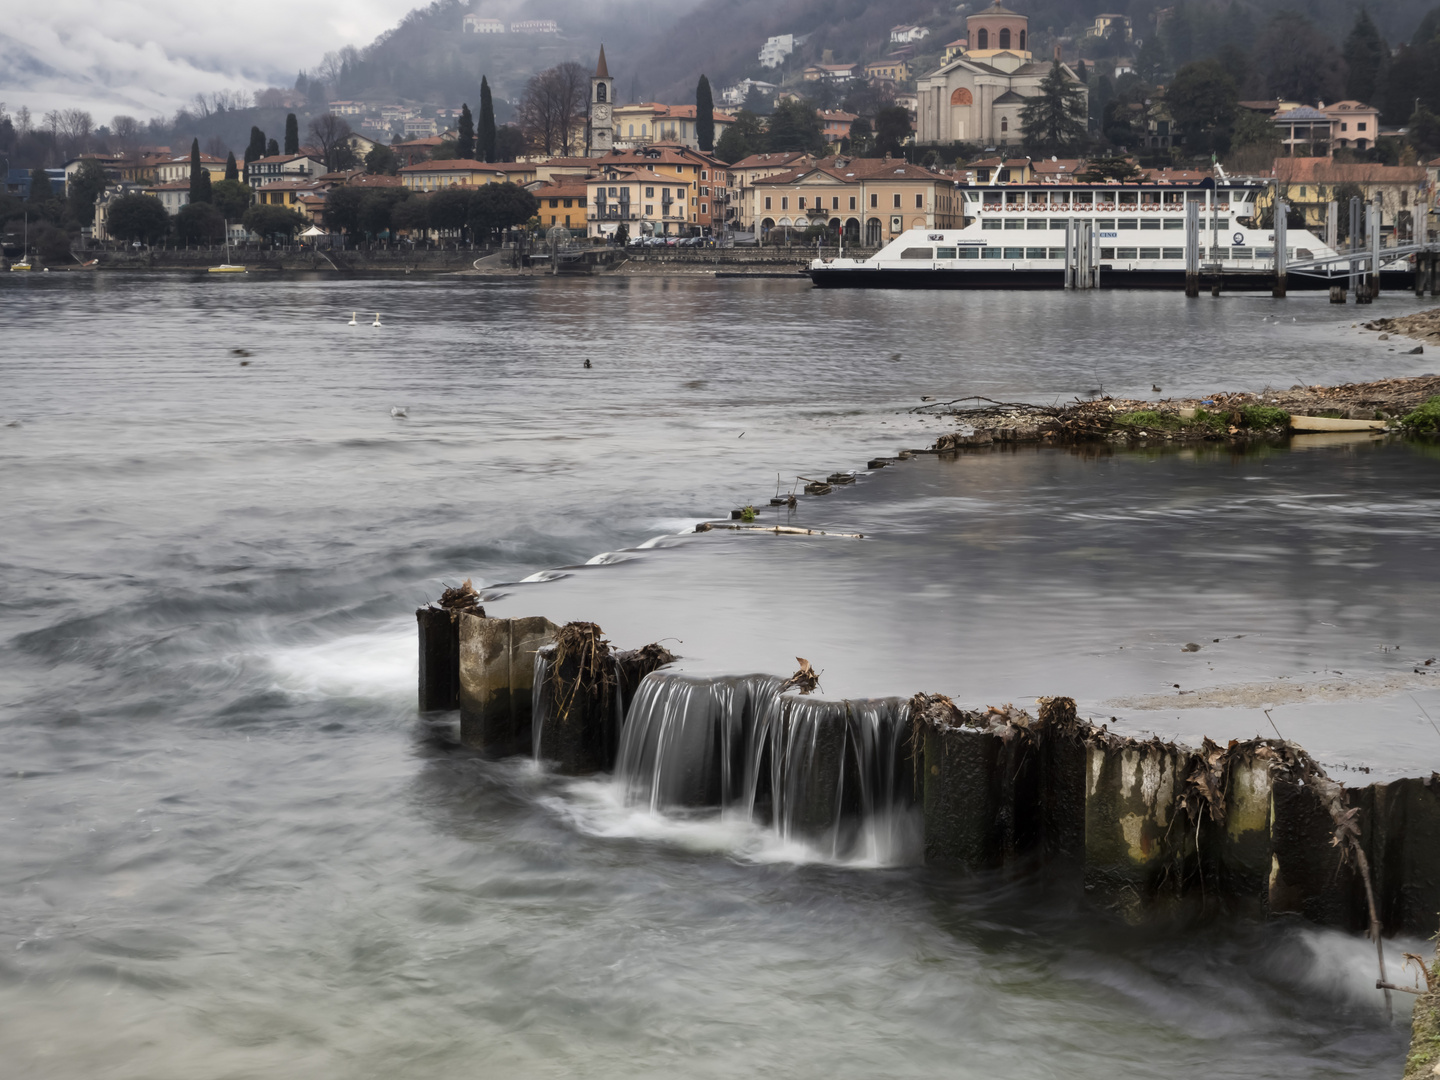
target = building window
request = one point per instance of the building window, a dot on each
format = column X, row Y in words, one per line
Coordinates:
column 704, row 175
column 982, row 39
column 649, row 193
column 897, row 200
column 704, row 209
column 1022, row 40
column 632, row 131
column 802, row 202
column 1005, row 124
column 852, row 202
column 874, row 201
column 649, row 210
column 784, row 202
column 767, row 202
column 835, row 202
column 1005, row 38
column 1360, row 127
column 569, row 203
column 644, row 129
column 613, row 193
column 919, row 202
column 554, row 203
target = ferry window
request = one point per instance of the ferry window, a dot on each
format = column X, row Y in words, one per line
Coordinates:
column 1128, row 198
column 970, row 253
column 1129, row 223
column 1036, row 223
column 1059, row 198
column 1172, row 224
column 897, row 200
column 990, row 223
column 945, row 253
column 852, row 202
column 1126, row 253
column 992, row 253
column 1107, row 253
column 1057, row 223
column 1106, row 223
column 1035, row 253
column 1174, row 253
column 1151, row 224
column 1264, row 253
column 874, row 200
column 1149, row 253
column 1221, row 223
column 918, row 253
column 1242, row 253
column 1014, row 253
column 1084, row 198
column 1012, row 224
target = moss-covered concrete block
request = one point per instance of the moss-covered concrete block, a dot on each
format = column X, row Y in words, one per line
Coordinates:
column 497, row 678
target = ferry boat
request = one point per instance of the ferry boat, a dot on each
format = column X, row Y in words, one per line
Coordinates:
column 1017, row 237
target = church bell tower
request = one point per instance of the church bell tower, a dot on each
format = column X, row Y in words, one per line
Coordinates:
column 601, row 133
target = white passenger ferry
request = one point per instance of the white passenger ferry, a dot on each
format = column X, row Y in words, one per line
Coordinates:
column 1017, row 238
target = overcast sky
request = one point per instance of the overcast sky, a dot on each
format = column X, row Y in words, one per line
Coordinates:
column 144, row 58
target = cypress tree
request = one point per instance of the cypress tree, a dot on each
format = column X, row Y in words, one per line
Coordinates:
column 1365, row 55
column 487, row 123
column 203, row 187
column 196, row 169
column 272, row 149
column 292, row 134
column 232, row 170
column 704, row 116
column 40, row 189
column 256, row 149
column 465, row 141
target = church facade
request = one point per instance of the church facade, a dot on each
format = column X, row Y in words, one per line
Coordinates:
column 978, row 96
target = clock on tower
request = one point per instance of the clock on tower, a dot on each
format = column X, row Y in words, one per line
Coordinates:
column 602, row 97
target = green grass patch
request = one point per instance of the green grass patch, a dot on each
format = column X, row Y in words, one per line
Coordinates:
column 1149, row 420
column 1208, row 420
column 748, row 514
column 1426, row 417
column 1263, row 416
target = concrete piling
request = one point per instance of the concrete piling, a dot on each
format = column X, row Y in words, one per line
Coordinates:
column 497, row 677
column 1337, row 294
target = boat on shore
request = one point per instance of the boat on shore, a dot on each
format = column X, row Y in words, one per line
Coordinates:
column 1022, row 236
column 227, row 267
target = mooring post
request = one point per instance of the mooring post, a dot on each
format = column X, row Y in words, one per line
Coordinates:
column 1192, row 248
column 1281, row 212
column 1337, row 294
column 1376, row 221
column 1332, row 226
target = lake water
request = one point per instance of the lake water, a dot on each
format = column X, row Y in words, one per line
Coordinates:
column 233, row 849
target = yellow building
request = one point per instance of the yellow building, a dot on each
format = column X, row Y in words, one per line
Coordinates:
column 172, row 169
column 895, row 69
column 873, row 198
column 563, row 203
column 433, row 175
column 650, row 122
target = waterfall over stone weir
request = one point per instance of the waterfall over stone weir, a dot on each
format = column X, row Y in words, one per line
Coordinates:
column 832, row 775
column 1142, row 827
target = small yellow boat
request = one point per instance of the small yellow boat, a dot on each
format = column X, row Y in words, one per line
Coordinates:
column 21, row 266
column 227, row 268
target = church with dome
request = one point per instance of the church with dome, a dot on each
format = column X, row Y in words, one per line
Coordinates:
column 978, row 94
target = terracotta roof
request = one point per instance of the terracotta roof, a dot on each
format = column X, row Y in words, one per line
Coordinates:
column 1324, row 170
column 764, row 161
column 570, row 188
column 467, row 165
column 839, row 116
column 647, row 175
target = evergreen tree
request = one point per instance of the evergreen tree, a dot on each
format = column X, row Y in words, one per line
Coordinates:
column 197, row 193
column 256, row 149
column 1082, row 72
column 1365, row 53
column 704, row 115
column 465, row 141
column 292, row 134
column 487, row 123
column 40, row 189
column 206, row 194
column 232, row 170
column 1055, row 117
column 272, row 149
column 1201, row 99
column 892, row 128
column 794, row 125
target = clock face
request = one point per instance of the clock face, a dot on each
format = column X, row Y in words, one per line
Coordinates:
column 602, row 112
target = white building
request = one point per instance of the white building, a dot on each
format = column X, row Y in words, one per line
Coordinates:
column 735, row 96
column 417, row 127
column 776, row 49
column 903, row 35
column 474, row 24
column 535, row 26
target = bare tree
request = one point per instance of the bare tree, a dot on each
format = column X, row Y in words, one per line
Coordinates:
column 329, row 133
column 215, row 146
column 330, row 68
column 552, row 109
column 202, row 105
column 126, row 130
column 24, row 122
column 76, row 128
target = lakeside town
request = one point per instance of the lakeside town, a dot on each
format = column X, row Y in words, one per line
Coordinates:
column 834, row 153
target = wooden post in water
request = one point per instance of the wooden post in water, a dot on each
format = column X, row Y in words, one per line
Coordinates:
column 1192, row 248
column 1375, row 221
column 1281, row 210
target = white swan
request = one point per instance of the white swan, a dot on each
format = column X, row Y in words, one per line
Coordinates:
column 352, row 319
column 399, row 412
column 377, row 321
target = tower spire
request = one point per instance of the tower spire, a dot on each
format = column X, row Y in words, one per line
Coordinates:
column 601, row 71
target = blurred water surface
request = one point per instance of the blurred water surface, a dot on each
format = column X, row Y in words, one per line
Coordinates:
column 233, row 849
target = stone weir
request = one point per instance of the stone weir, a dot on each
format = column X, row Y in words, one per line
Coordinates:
column 1150, row 830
